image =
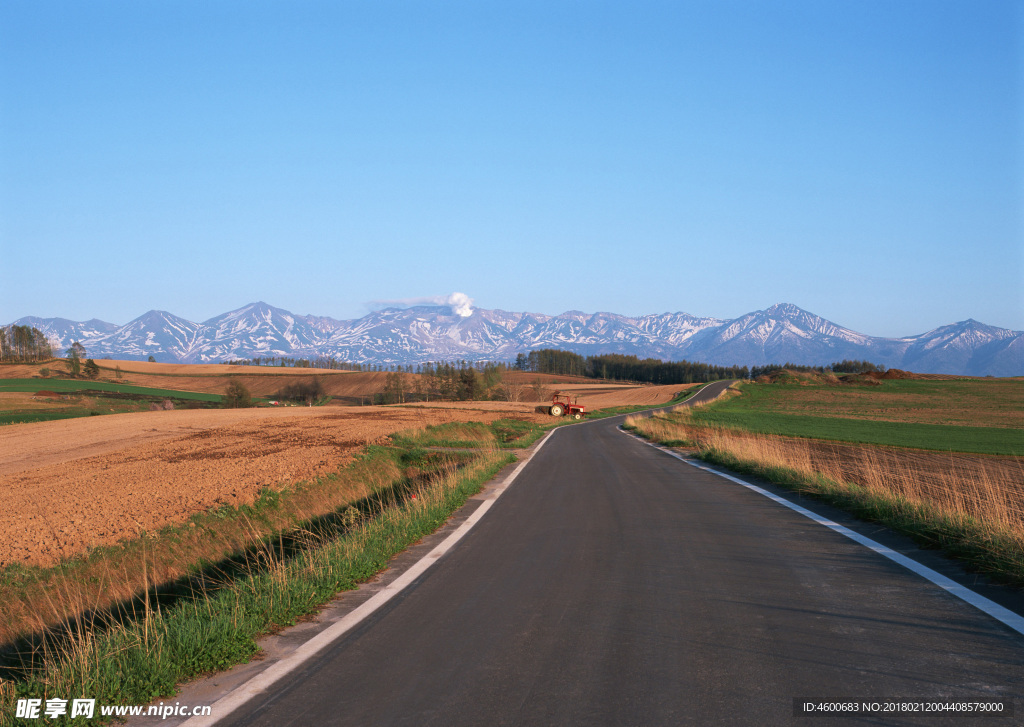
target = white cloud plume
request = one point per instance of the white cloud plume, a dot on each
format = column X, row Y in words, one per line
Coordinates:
column 460, row 303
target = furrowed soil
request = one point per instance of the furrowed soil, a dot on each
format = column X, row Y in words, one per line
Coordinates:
column 263, row 381
column 74, row 484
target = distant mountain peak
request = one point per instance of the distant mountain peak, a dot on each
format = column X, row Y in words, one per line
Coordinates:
column 786, row 310
column 437, row 331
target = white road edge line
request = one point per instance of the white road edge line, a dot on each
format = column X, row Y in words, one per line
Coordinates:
column 260, row 683
column 993, row 609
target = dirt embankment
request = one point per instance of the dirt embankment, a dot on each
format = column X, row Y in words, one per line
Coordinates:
column 74, row 484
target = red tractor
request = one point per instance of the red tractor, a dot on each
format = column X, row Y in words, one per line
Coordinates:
column 563, row 405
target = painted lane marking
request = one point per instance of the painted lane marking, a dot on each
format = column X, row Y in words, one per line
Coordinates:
column 262, row 682
column 1004, row 615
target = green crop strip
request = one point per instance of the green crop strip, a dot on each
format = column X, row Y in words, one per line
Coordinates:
column 978, row 440
column 78, row 386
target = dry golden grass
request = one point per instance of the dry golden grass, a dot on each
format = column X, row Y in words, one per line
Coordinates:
column 45, row 597
column 989, row 490
column 465, row 433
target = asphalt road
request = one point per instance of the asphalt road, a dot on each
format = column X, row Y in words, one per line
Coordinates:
column 615, row 585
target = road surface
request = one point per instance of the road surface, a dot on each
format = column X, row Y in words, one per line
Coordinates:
column 612, row 584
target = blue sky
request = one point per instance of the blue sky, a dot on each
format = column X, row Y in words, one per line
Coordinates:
column 862, row 160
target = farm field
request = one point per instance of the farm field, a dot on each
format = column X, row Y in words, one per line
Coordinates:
column 32, row 400
column 75, row 484
column 593, row 396
column 262, row 381
column 982, row 416
column 959, row 402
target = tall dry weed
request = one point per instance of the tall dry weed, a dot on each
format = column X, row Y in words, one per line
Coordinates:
column 989, row 490
column 36, row 600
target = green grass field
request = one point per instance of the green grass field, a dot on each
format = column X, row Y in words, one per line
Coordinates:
column 962, row 402
column 89, row 398
column 83, row 385
column 897, row 413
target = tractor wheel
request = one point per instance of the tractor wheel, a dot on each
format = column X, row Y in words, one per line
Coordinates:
column 577, row 416
column 557, row 410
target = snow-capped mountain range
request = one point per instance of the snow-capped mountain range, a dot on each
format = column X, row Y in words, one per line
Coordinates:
column 781, row 333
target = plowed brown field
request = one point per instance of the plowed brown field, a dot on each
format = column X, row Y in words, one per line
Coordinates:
column 72, row 484
column 213, row 378
column 268, row 380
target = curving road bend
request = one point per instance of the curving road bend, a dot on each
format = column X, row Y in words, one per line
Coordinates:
column 615, row 585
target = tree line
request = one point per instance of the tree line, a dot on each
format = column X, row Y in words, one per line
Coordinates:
column 323, row 362
column 621, row 367
column 24, row 344
column 846, row 366
column 446, row 381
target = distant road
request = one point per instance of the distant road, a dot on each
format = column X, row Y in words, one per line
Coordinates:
column 615, row 585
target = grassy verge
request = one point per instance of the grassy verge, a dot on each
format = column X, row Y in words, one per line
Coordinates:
column 976, row 518
column 501, row 433
column 209, row 618
column 988, row 547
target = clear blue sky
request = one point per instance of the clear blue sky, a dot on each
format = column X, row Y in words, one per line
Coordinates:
column 860, row 159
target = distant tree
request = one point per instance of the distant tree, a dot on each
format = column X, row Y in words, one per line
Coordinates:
column 855, row 367
column 236, row 396
column 118, row 372
column 92, row 369
column 510, row 391
column 394, row 389
column 151, row 359
column 309, row 392
column 74, row 361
